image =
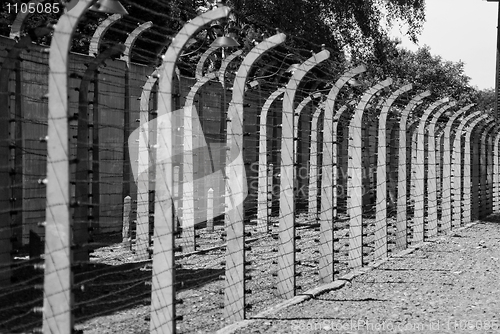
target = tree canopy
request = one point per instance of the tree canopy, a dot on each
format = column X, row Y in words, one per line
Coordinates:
column 359, row 28
column 423, row 70
column 355, row 25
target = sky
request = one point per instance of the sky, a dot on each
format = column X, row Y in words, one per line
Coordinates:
column 463, row 30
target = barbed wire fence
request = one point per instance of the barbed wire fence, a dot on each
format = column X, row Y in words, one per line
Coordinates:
column 136, row 196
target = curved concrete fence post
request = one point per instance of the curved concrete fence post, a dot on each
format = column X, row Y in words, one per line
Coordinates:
column 456, row 190
column 126, row 57
column 496, row 176
column 328, row 177
column 438, row 136
column 402, row 216
column 432, row 200
column 490, row 169
column 262, row 184
column 82, row 187
column 381, row 204
column 188, row 232
column 484, row 161
column 469, row 209
column 94, row 45
column 234, row 292
column 475, row 162
column 224, row 65
column 411, row 163
column 163, row 293
column 58, row 296
column 439, row 171
column 494, row 161
column 192, row 129
column 355, row 176
column 447, row 207
column 130, row 41
column 413, row 177
column 419, row 213
column 286, row 248
column 298, row 114
column 145, row 162
column 17, row 25
column 202, row 60
column 312, row 207
column 96, row 40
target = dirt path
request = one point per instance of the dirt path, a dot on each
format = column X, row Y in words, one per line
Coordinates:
column 449, row 285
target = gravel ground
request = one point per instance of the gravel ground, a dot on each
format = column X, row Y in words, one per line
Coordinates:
column 449, row 285
column 117, row 300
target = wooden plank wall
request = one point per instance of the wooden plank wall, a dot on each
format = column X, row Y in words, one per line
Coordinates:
column 211, row 103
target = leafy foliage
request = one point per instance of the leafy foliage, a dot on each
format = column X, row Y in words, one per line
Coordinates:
column 355, row 25
column 424, row 70
column 486, row 99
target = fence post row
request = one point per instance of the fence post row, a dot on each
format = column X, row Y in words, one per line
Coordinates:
column 61, row 231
